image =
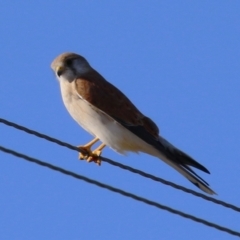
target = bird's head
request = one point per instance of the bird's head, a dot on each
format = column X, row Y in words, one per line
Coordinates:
column 70, row 66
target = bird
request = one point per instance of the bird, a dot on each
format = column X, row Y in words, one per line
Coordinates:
column 109, row 115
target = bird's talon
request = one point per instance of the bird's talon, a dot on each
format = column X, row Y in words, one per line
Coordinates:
column 81, row 156
column 95, row 157
column 86, row 152
column 91, row 156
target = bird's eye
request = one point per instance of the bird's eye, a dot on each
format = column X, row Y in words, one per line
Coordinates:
column 68, row 62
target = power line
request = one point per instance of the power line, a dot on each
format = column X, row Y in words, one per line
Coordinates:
column 122, row 166
column 122, row 192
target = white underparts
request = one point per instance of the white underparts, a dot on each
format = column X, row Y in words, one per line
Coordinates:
column 110, row 132
column 100, row 124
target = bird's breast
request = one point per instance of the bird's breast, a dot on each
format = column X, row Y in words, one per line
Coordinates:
column 98, row 123
column 79, row 109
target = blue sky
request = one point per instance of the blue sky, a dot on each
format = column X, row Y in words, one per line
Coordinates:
column 178, row 61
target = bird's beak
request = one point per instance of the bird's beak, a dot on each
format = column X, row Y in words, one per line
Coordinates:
column 60, row 70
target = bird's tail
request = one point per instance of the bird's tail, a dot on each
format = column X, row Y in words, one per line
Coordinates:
column 181, row 162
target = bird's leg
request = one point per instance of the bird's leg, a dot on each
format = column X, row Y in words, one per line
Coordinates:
column 87, row 149
column 96, row 154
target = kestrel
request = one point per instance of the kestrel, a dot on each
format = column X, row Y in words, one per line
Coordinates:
column 107, row 114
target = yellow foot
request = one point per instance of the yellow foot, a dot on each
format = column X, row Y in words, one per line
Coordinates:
column 95, row 157
column 86, row 149
column 91, row 156
column 85, row 152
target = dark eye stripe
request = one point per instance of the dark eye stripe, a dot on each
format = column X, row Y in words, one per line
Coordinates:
column 68, row 62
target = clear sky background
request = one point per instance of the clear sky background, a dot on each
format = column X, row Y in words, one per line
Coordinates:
column 178, row 61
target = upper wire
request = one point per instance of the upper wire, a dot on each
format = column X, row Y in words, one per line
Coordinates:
column 122, row 166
